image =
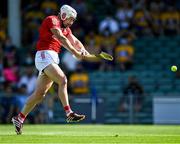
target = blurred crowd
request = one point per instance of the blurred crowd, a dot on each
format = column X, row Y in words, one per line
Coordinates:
column 102, row 25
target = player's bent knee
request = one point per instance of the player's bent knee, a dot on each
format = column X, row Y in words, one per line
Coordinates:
column 63, row 81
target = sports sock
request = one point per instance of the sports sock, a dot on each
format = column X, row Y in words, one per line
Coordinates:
column 21, row 117
column 68, row 110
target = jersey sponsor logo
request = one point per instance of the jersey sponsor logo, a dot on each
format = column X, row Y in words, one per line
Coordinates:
column 54, row 21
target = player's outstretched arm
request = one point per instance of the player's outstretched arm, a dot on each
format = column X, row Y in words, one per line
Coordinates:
column 86, row 55
column 77, row 43
column 80, row 47
column 65, row 42
column 102, row 55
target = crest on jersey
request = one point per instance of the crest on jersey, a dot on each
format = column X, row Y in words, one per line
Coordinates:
column 54, row 21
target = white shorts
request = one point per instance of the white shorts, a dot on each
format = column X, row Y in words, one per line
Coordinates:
column 44, row 58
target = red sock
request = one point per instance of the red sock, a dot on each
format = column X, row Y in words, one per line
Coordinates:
column 67, row 110
column 21, row 117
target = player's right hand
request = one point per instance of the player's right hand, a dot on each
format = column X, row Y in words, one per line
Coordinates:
column 79, row 55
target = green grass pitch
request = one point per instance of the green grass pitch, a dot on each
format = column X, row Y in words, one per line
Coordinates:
column 94, row 134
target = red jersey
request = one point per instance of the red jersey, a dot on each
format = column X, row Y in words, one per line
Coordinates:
column 46, row 41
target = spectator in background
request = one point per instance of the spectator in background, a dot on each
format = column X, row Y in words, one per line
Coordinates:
column 140, row 23
column 107, row 45
column 124, row 15
column 49, row 6
column 89, row 23
column 124, row 51
column 136, row 90
column 51, row 100
column 93, row 42
column 79, row 32
column 10, row 71
column 69, row 62
column 97, row 43
column 170, row 21
column 21, row 96
column 29, row 58
column 80, row 6
column 8, row 46
column 28, row 79
column 32, row 17
column 33, row 20
column 79, row 81
column 154, row 15
column 10, row 51
column 8, row 103
column 108, row 24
